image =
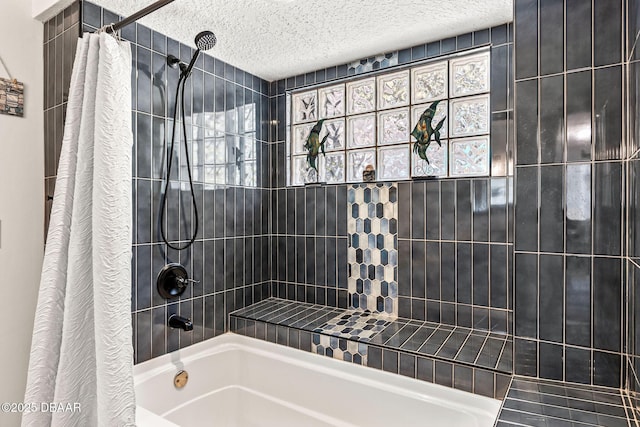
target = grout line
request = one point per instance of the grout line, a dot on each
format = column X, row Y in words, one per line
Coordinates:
column 569, row 254
column 486, row 339
column 630, row 414
column 502, row 351
column 633, row 47
column 455, row 356
column 570, row 411
column 572, row 71
column 564, row 396
column 611, row 391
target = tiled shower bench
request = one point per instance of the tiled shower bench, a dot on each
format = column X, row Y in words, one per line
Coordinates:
column 472, row 360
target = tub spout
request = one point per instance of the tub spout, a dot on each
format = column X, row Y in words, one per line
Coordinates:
column 183, row 323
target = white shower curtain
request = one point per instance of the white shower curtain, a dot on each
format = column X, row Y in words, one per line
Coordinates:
column 81, row 351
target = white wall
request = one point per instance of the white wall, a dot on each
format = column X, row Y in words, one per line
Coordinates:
column 44, row 10
column 21, row 200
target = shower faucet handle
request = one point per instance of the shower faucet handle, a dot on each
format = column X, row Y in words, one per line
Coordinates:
column 173, row 280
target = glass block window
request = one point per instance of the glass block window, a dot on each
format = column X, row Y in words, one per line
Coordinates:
column 393, row 126
column 361, row 131
column 470, row 156
column 334, row 130
column 361, row 96
column 226, row 159
column 368, row 123
column 331, row 101
column 393, row 90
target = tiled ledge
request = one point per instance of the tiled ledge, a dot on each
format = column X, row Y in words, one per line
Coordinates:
column 535, row 402
column 471, row 347
column 466, row 359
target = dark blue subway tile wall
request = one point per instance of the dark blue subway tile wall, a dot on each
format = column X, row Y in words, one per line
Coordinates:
column 230, row 257
column 569, row 191
column 455, row 264
column 309, row 244
column 574, row 223
column 455, row 237
column 60, row 35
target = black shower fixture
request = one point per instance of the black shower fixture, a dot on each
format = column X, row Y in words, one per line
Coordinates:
column 173, row 280
column 205, row 40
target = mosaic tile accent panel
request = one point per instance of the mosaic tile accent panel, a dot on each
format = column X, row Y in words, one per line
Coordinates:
column 393, row 163
column 305, row 107
column 361, row 131
column 393, row 90
column 11, row 97
column 339, row 348
column 438, row 161
column 470, row 156
column 358, row 325
column 470, row 75
column 361, row 96
column 331, row 101
column 373, row 247
column 393, row 126
column 469, row 116
column 430, row 82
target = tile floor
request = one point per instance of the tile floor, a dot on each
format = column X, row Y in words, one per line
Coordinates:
column 541, row 403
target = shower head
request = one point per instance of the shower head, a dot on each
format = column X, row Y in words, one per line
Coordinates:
column 205, row 40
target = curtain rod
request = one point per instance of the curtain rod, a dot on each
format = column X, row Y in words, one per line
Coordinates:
column 111, row 28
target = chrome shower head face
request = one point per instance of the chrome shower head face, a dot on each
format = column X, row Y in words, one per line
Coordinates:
column 205, row 40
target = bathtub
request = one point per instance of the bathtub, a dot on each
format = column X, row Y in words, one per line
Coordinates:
column 240, row 381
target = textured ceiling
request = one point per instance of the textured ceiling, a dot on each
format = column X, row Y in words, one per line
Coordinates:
column 281, row 38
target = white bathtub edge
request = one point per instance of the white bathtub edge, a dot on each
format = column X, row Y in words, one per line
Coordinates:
column 145, row 417
column 444, row 396
column 398, row 384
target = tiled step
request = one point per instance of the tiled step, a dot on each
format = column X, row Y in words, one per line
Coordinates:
column 463, row 358
column 535, row 402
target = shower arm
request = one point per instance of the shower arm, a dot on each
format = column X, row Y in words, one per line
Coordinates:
column 115, row 26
